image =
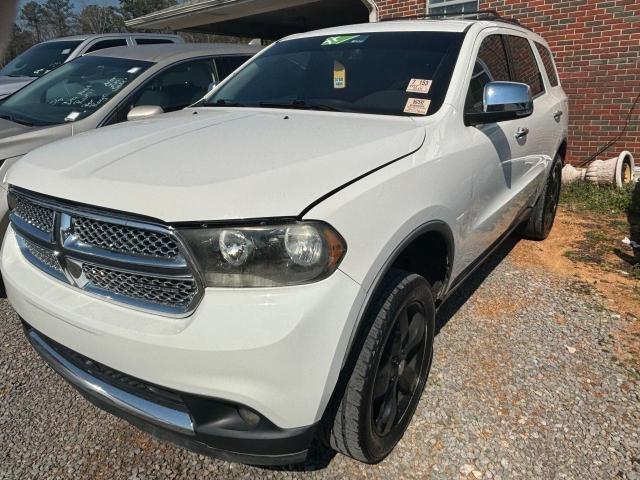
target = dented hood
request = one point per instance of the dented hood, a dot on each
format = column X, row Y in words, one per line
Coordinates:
column 217, row 163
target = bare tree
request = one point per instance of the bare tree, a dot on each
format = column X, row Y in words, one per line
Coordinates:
column 60, row 16
column 32, row 15
column 99, row 19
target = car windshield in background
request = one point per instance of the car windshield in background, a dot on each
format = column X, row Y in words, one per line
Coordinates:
column 40, row 59
column 405, row 73
column 72, row 92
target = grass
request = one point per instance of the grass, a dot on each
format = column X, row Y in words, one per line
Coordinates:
column 587, row 196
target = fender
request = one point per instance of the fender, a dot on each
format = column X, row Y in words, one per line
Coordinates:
column 438, row 226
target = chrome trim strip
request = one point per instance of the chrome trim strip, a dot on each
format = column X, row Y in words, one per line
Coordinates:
column 58, row 274
column 149, row 411
column 30, row 230
column 70, row 251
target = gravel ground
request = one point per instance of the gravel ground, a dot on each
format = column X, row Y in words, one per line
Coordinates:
column 523, row 386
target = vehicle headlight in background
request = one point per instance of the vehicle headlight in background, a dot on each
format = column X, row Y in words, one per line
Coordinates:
column 265, row 255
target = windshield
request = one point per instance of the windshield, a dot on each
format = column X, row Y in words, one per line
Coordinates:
column 71, row 92
column 395, row 73
column 40, row 59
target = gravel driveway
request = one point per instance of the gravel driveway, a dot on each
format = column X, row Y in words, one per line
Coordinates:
column 523, row 386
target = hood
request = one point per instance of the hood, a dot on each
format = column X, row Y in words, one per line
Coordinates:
column 217, row 163
column 17, row 139
column 8, row 85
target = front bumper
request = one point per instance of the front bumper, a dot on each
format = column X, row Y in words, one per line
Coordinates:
column 202, row 425
column 276, row 351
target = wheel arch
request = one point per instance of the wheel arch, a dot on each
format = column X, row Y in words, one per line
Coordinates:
column 562, row 150
column 435, row 268
column 433, row 232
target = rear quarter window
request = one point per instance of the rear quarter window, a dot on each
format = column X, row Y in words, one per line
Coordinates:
column 547, row 61
column 110, row 43
column 523, row 63
column 152, row 41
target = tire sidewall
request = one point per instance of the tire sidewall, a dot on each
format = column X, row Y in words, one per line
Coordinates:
column 417, row 289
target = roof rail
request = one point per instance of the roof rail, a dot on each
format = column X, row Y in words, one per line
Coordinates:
column 476, row 15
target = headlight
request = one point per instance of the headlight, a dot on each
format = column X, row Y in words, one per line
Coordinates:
column 266, row 255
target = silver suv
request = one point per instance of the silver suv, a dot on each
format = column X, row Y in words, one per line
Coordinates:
column 45, row 56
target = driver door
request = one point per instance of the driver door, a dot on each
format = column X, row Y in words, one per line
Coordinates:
column 502, row 154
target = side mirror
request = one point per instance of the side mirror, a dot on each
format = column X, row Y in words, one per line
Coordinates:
column 502, row 101
column 143, row 111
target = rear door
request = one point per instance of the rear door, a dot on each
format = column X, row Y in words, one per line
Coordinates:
column 557, row 105
column 536, row 147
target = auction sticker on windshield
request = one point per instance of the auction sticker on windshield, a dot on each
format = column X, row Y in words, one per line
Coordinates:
column 339, row 75
column 417, row 106
column 418, row 85
column 340, row 39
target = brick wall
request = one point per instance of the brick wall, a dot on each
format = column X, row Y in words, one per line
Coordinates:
column 400, row 8
column 597, row 49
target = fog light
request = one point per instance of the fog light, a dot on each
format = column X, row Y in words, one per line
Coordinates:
column 248, row 416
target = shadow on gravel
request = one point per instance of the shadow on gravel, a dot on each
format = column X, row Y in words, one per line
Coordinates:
column 471, row 284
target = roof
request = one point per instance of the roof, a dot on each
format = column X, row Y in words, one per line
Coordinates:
column 169, row 51
column 411, row 25
column 91, row 36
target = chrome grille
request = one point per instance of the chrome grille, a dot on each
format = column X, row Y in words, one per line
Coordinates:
column 119, row 258
column 124, row 239
column 34, row 214
column 164, row 291
column 44, row 255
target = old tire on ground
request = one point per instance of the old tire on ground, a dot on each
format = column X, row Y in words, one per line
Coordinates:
column 390, row 371
column 544, row 211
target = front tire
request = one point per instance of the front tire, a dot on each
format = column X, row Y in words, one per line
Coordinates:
column 544, row 211
column 391, row 370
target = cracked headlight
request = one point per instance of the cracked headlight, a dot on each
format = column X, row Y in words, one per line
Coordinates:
column 267, row 255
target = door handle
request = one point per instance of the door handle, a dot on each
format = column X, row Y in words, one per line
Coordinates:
column 557, row 114
column 521, row 132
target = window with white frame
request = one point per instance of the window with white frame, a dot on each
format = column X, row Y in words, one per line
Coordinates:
column 452, row 6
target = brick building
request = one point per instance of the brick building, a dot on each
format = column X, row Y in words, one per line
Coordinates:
column 596, row 44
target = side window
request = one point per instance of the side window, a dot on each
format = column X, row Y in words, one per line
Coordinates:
column 491, row 66
column 547, row 61
column 524, row 67
column 111, row 42
column 226, row 65
column 172, row 89
column 152, row 41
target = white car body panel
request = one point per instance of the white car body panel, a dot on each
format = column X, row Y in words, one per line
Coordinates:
column 221, row 168
column 375, row 179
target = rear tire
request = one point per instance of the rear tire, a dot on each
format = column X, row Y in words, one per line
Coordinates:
column 391, row 370
column 544, row 211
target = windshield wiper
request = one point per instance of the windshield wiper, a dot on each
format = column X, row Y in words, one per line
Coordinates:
column 301, row 105
column 223, row 102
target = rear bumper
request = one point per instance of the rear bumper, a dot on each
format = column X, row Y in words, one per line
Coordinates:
column 206, row 426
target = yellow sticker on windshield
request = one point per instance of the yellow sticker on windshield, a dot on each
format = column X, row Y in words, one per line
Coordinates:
column 417, row 106
column 419, row 85
column 339, row 75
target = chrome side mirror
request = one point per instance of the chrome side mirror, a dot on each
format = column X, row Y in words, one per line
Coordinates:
column 502, row 101
column 144, row 111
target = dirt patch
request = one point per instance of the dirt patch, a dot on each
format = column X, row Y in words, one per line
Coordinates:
column 589, row 248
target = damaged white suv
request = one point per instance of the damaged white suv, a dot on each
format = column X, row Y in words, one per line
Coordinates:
column 264, row 268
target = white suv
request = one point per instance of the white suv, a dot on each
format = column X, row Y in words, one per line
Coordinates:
column 264, row 268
